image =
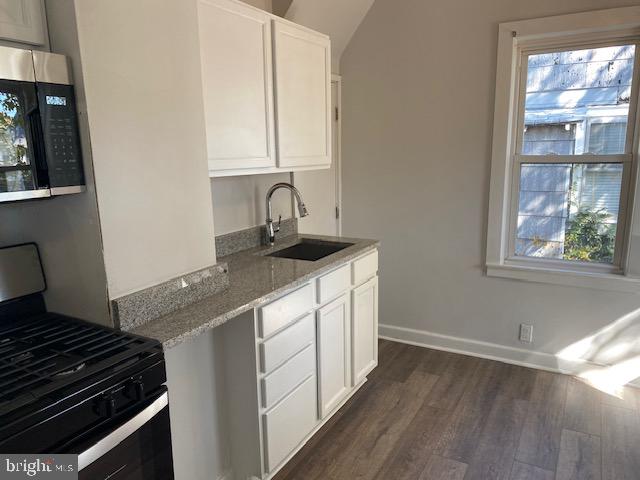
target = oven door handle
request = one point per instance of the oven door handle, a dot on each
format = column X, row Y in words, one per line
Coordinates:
column 118, row 435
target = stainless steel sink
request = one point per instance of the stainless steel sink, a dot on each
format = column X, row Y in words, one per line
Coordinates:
column 310, row 250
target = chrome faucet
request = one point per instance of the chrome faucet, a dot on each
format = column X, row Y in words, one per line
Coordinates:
column 302, row 209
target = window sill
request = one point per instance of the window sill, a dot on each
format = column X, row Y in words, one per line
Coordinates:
column 599, row 281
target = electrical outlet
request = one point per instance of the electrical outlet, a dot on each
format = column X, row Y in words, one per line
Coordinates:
column 526, row 333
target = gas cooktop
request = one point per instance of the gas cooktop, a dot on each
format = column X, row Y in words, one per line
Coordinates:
column 46, row 352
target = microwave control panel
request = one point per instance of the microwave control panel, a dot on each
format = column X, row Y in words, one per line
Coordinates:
column 61, row 134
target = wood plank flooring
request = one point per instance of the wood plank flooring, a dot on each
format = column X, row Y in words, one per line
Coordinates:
column 426, row 414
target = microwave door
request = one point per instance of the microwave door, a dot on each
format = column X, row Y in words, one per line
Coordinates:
column 23, row 172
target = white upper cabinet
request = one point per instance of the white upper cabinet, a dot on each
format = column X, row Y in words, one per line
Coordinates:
column 22, row 21
column 303, row 100
column 237, row 79
column 267, row 91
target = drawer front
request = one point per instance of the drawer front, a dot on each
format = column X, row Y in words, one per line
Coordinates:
column 289, row 422
column 285, row 310
column 285, row 344
column 280, row 382
column 333, row 284
column 364, row 268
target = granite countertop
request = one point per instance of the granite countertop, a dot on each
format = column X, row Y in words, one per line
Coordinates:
column 254, row 279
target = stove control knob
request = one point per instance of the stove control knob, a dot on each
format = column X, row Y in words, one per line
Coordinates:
column 138, row 387
column 110, row 405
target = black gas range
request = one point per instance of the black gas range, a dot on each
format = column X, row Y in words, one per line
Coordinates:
column 69, row 386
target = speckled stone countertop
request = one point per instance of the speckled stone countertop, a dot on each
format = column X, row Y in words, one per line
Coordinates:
column 254, row 279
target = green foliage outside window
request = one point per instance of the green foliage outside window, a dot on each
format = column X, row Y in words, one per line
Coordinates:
column 589, row 238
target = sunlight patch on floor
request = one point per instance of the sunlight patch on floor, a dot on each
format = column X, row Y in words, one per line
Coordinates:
column 612, row 379
column 611, row 356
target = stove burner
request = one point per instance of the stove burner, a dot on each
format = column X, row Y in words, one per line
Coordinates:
column 21, row 358
column 71, row 371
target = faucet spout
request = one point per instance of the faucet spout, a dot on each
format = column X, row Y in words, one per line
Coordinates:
column 302, row 209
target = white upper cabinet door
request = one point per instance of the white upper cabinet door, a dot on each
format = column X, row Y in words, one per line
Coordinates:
column 303, row 96
column 364, row 346
column 22, row 21
column 333, row 354
column 237, row 80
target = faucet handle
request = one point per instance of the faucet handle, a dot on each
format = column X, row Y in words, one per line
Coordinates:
column 277, row 229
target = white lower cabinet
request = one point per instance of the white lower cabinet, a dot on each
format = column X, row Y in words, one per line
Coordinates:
column 334, row 339
column 290, row 364
column 364, row 329
column 289, row 422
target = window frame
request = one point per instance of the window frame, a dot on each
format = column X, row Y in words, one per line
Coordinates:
column 518, row 40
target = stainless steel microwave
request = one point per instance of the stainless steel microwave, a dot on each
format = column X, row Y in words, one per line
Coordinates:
column 39, row 138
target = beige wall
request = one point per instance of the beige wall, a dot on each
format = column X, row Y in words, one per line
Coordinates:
column 418, row 92
column 142, row 80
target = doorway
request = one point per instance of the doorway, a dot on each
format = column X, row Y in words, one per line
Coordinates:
column 321, row 189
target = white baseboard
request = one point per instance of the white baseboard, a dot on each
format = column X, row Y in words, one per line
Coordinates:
column 228, row 475
column 492, row 351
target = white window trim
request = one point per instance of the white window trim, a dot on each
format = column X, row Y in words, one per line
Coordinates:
column 513, row 37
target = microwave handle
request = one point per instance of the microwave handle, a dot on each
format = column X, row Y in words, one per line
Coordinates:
column 109, row 442
column 37, row 137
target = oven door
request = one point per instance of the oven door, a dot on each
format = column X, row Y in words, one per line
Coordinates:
column 138, row 449
column 23, row 170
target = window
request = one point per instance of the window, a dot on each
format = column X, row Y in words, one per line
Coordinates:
column 607, row 138
column 564, row 146
column 570, row 210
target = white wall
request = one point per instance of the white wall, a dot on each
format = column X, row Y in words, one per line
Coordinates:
column 239, row 202
column 141, row 72
column 67, row 232
column 199, row 432
column 418, row 96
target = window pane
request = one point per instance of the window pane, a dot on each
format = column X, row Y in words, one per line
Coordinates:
column 574, row 91
column 607, row 138
column 13, row 140
column 568, row 211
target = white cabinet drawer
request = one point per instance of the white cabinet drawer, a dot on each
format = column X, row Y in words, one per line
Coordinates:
column 289, row 422
column 333, row 284
column 280, row 382
column 285, row 344
column 364, row 268
column 285, row 310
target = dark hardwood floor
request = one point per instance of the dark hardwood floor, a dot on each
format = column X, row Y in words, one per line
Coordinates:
column 426, row 414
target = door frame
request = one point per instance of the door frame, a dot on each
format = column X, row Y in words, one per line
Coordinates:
column 335, row 160
column 337, row 80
